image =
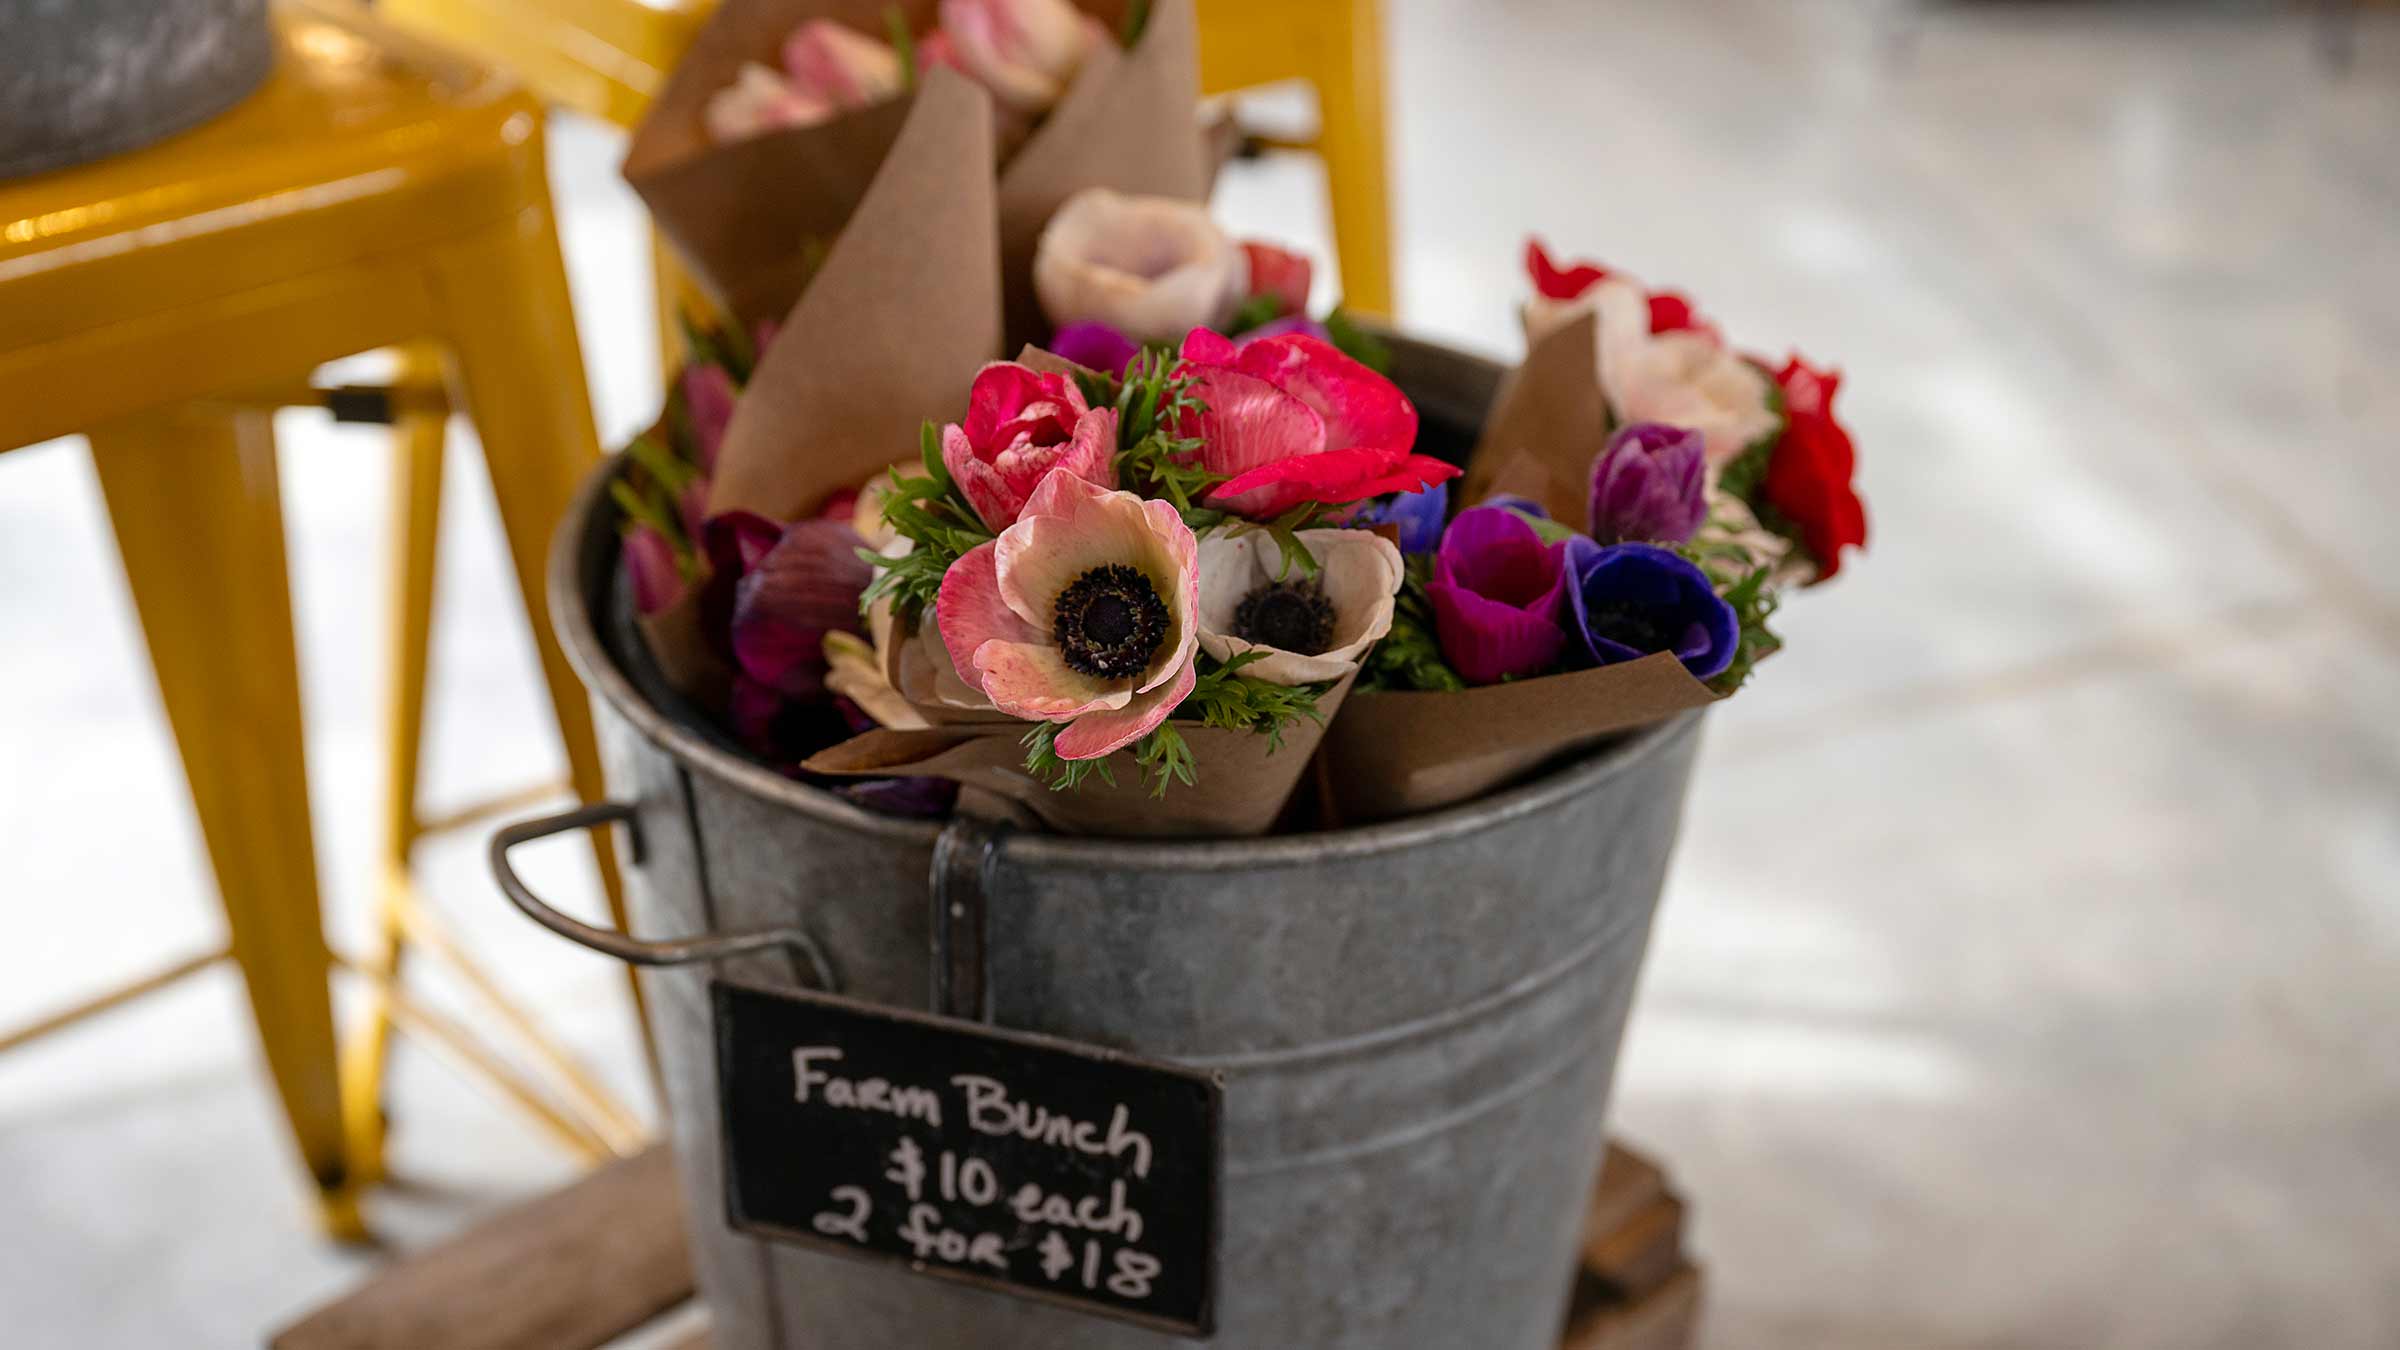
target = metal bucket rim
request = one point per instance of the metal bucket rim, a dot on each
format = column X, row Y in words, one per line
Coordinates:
column 572, row 612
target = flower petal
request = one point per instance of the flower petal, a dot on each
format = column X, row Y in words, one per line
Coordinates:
column 1067, row 528
column 650, row 566
column 803, row 588
column 1248, row 423
column 1100, row 733
column 970, row 612
column 1359, row 407
column 1488, row 641
column 1032, row 680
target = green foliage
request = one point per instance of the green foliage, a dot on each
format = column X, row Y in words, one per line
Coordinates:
column 1255, row 312
column 1747, row 474
column 1753, row 604
column 1042, row 761
column 904, row 46
column 1221, row 697
column 1410, row 656
column 728, row 347
column 1356, row 342
column 1153, row 458
column 928, row 510
column 1225, row 698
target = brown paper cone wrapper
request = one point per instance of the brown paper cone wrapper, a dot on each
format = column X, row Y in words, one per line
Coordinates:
column 1129, row 121
column 1241, row 787
column 890, row 332
column 1546, row 426
column 749, row 216
column 1397, row 754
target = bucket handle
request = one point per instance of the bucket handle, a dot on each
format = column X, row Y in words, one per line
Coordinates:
column 624, row 946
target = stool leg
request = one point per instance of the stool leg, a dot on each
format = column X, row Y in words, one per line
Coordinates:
column 199, row 523
column 513, row 335
column 416, row 517
column 1349, row 80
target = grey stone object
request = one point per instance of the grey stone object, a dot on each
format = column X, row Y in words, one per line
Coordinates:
column 1417, row 1022
column 84, row 79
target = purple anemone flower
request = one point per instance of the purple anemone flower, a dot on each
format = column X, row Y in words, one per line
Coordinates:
column 1629, row 600
column 1095, row 346
column 1499, row 596
column 1649, row 485
column 1284, row 327
column 804, row 587
column 1419, row 515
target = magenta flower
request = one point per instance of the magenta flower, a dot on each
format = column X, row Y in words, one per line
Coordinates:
column 658, row 582
column 1021, row 424
column 1094, row 345
column 708, row 395
column 1499, row 596
column 1291, row 420
column 1649, row 485
column 1284, row 327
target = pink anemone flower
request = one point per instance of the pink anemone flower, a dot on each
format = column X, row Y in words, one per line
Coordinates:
column 1022, row 423
column 1292, row 420
column 1083, row 612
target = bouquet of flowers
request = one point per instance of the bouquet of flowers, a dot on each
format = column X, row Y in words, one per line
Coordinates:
column 784, row 114
column 1140, row 578
column 1643, row 493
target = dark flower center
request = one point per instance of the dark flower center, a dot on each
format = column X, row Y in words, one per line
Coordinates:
column 1634, row 626
column 1293, row 616
column 1109, row 622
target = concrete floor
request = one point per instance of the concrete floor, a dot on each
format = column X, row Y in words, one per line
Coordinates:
column 2026, row 975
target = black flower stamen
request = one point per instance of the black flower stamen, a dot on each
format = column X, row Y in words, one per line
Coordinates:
column 1110, row 622
column 1292, row 616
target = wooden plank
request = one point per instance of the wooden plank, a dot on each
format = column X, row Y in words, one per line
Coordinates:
column 569, row 1270
column 1629, row 1184
column 1667, row 1318
column 1641, row 1253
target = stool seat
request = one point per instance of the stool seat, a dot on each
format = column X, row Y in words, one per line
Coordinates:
column 353, row 146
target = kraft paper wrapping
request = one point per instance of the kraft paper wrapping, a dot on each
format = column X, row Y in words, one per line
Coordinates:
column 1400, row 753
column 1546, row 425
column 1241, row 787
column 1129, row 122
column 752, row 217
column 892, row 330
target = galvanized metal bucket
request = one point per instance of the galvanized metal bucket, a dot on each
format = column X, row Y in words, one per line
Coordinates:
column 1417, row 1022
column 82, row 79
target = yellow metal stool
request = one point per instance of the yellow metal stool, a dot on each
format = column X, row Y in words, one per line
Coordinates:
column 602, row 58
column 1336, row 46
column 372, row 195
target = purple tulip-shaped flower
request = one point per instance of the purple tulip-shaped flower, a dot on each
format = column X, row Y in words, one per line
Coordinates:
column 1499, row 596
column 708, row 396
column 658, row 581
column 1095, row 346
column 1629, row 600
column 804, row 587
column 1649, row 485
column 1418, row 516
column 1288, row 324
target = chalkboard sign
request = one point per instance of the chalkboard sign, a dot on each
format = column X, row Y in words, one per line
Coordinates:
column 1036, row 1166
